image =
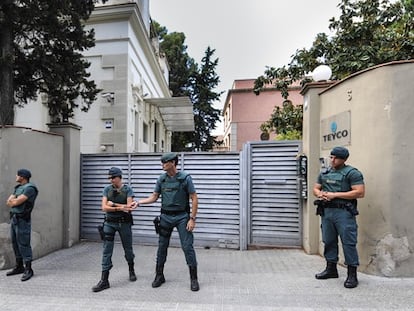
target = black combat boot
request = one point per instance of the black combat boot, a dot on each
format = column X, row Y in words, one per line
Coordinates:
column 193, row 277
column 28, row 272
column 18, row 269
column 352, row 280
column 159, row 276
column 103, row 283
column 329, row 273
column 132, row 276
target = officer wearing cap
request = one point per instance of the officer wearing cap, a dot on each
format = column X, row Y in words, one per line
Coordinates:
column 338, row 189
column 117, row 203
column 176, row 189
column 21, row 204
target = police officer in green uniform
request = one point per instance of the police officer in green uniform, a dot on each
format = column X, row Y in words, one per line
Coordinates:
column 117, row 203
column 21, row 203
column 175, row 189
column 337, row 189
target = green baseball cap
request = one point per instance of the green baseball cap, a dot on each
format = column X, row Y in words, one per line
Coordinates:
column 340, row 152
column 169, row 157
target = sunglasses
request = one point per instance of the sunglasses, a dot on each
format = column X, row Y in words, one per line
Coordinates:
column 112, row 177
column 165, row 161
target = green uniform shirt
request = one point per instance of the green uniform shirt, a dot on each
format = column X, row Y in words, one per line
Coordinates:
column 30, row 191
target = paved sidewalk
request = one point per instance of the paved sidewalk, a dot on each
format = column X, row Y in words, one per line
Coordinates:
column 229, row 280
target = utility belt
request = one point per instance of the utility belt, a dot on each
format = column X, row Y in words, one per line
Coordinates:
column 25, row 216
column 333, row 204
column 127, row 218
column 172, row 213
column 350, row 206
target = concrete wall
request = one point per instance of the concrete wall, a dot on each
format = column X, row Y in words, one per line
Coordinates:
column 380, row 105
column 42, row 154
column 54, row 160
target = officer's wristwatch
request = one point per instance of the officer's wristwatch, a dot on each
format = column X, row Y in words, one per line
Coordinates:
column 193, row 218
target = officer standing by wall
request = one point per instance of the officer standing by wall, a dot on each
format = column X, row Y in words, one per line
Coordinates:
column 175, row 189
column 117, row 203
column 337, row 189
column 21, row 204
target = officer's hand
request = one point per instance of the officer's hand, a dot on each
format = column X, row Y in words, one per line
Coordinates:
column 323, row 195
column 134, row 205
column 190, row 225
column 328, row 196
column 125, row 208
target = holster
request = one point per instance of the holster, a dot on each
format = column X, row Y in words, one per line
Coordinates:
column 156, row 222
column 352, row 208
column 320, row 207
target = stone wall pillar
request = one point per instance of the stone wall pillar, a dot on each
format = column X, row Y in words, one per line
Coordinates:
column 71, row 181
column 311, row 148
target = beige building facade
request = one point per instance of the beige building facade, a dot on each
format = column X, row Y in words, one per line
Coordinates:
column 135, row 110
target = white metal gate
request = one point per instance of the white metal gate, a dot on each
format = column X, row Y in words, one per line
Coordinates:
column 248, row 198
column 274, row 213
column 216, row 178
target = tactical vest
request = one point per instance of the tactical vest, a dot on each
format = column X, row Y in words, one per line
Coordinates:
column 27, row 206
column 117, row 196
column 337, row 181
column 174, row 195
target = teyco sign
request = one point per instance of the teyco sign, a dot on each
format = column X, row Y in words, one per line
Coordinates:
column 336, row 130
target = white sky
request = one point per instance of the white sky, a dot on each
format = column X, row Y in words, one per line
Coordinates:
column 248, row 35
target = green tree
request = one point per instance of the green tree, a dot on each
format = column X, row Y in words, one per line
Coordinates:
column 188, row 79
column 41, row 44
column 181, row 64
column 367, row 33
column 286, row 121
column 202, row 85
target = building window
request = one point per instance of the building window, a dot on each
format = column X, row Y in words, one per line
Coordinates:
column 145, row 132
column 109, row 124
column 156, row 135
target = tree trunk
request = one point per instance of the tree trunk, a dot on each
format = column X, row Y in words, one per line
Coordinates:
column 6, row 69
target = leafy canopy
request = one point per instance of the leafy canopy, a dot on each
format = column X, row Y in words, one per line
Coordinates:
column 367, row 33
column 42, row 42
column 187, row 78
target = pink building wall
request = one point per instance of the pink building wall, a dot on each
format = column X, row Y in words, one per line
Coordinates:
column 244, row 112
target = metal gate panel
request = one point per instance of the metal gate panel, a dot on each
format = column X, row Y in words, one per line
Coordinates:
column 216, row 178
column 275, row 212
column 94, row 177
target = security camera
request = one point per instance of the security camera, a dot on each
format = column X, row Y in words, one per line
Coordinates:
column 109, row 96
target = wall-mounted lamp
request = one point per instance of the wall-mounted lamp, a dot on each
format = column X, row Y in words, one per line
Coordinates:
column 103, row 148
column 321, row 73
